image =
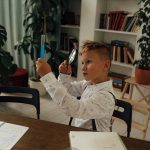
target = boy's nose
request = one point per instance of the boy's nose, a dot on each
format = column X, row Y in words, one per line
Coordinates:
column 83, row 67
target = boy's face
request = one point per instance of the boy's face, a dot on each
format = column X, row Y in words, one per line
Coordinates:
column 94, row 67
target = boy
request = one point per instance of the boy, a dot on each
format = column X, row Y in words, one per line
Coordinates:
column 96, row 102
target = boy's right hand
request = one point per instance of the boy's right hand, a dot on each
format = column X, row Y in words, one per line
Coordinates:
column 65, row 68
column 42, row 67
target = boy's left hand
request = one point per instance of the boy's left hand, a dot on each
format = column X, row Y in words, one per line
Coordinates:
column 42, row 67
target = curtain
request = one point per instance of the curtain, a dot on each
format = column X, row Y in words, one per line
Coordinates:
column 11, row 17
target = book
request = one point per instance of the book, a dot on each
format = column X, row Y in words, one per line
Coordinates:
column 129, row 21
column 121, row 20
column 10, row 134
column 118, row 53
column 111, row 19
column 87, row 140
column 135, row 27
column 121, row 54
column 113, row 52
column 118, row 79
column 130, row 54
column 135, row 23
column 117, row 17
column 102, row 20
column 129, row 27
column 126, row 20
column 117, row 50
column 125, row 54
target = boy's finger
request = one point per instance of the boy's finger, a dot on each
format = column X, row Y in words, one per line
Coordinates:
column 39, row 60
column 65, row 62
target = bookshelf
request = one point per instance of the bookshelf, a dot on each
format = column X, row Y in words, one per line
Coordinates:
column 69, row 30
column 107, row 35
column 88, row 29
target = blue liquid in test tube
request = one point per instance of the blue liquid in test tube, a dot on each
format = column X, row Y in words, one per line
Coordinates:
column 42, row 51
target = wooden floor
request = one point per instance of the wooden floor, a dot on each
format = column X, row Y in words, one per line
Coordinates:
column 50, row 112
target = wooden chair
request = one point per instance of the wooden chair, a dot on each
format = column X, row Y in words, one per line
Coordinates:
column 11, row 96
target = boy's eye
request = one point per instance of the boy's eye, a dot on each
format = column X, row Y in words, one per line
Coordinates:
column 87, row 62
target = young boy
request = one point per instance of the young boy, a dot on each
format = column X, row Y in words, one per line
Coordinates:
column 96, row 101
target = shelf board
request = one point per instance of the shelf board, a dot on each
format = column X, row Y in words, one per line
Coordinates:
column 71, row 26
column 117, row 32
column 64, row 52
column 122, row 64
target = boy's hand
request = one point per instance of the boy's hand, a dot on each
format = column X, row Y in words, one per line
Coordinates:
column 65, row 68
column 42, row 67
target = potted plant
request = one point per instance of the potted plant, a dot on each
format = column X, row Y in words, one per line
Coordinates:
column 7, row 67
column 142, row 70
column 42, row 17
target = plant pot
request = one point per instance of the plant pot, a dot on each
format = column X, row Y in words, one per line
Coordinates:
column 37, row 85
column 142, row 76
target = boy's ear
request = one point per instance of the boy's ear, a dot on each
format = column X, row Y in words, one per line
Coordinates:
column 107, row 64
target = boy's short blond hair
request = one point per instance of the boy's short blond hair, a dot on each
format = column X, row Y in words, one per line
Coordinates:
column 101, row 48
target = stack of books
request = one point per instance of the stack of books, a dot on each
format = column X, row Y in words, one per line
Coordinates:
column 122, row 52
column 68, row 42
column 119, row 20
column 118, row 80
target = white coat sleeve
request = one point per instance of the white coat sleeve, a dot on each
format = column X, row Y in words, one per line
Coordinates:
column 75, row 88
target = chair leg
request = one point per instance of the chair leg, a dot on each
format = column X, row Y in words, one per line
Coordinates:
column 70, row 121
column 38, row 116
column 128, row 133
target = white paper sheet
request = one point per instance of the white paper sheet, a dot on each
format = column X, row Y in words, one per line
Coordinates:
column 84, row 140
column 10, row 134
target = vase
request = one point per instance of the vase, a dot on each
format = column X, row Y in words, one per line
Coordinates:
column 142, row 76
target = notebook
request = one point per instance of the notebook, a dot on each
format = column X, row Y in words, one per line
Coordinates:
column 10, row 134
column 86, row 140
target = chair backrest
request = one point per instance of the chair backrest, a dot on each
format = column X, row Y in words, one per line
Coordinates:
column 125, row 114
column 33, row 98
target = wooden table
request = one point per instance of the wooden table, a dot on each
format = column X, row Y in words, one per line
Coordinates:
column 44, row 135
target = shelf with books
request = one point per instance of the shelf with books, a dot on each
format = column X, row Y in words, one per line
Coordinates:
column 69, row 30
column 119, row 21
column 70, row 25
column 118, row 80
